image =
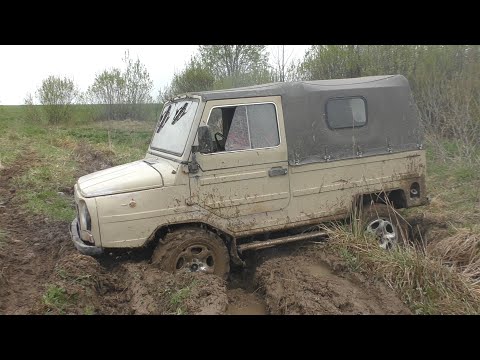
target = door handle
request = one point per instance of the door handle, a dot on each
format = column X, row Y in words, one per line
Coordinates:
column 277, row 171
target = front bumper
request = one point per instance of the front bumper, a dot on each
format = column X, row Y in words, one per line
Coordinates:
column 79, row 244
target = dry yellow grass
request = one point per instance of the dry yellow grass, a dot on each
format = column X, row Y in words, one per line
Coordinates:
column 460, row 251
column 442, row 278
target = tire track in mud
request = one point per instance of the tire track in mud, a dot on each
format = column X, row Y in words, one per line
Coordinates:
column 31, row 246
column 310, row 281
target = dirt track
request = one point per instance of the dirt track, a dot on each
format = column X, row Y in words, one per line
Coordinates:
column 41, row 272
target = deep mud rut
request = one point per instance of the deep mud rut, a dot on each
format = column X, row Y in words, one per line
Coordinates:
column 41, row 273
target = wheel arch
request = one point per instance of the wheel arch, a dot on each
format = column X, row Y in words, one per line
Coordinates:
column 163, row 229
column 395, row 197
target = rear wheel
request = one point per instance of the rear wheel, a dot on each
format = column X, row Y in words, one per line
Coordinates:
column 192, row 250
column 385, row 225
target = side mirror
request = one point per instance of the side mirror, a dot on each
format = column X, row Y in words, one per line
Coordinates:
column 205, row 145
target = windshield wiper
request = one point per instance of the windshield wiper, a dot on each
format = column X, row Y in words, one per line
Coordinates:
column 164, row 118
column 179, row 113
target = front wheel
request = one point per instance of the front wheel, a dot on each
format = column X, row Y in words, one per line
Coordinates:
column 192, row 250
column 381, row 221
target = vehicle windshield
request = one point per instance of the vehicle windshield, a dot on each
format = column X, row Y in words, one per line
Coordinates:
column 174, row 126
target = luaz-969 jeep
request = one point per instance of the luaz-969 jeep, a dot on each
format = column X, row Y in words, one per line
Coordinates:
column 248, row 168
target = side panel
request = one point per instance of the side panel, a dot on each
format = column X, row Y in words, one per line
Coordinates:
column 326, row 189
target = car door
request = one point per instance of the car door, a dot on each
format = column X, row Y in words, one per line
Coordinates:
column 248, row 172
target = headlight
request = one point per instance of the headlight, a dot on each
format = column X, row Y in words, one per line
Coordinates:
column 85, row 221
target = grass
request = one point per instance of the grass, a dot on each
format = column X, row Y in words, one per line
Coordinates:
column 350, row 258
column 56, row 298
column 178, row 298
column 454, row 187
column 42, row 196
column 56, row 162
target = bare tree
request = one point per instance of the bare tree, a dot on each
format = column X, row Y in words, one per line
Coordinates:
column 138, row 87
column 282, row 65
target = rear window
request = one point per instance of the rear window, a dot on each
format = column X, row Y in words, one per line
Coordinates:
column 345, row 113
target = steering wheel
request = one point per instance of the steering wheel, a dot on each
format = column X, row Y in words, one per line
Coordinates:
column 220, row 142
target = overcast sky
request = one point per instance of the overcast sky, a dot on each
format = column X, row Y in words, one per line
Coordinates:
column 23, row 67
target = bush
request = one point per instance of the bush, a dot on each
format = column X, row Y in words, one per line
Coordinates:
column 57, row 95
column 31, row 111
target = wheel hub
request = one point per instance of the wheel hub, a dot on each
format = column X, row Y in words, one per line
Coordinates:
column 385, row 232
column 196, row 258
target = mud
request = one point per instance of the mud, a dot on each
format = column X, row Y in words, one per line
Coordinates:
column 152, row 291
column 31, row 248
column 42, row 273
column 92, row 159
column 79, row 285
column 241, row 302
column 312, row 282
column 426, row 229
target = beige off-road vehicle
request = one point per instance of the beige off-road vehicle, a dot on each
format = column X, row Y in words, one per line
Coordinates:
column 249, row 168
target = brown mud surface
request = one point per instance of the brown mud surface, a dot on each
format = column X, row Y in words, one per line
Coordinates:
column 42, row 273
column 31, row 248
column 312, row 282
column 91, row 159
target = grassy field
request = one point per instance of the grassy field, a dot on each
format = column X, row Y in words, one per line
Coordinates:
column 435, row 279
column 58, row 150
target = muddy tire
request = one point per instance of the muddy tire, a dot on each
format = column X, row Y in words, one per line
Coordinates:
column 192, row 250
column 390, row 229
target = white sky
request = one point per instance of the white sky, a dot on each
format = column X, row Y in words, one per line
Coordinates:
column 23, row 67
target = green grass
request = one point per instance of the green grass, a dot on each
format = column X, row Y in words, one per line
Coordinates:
column 56, row 298
column 178, row 298
column 350, row 258
column 41, row 191
column 56, row 161
column 453, row 185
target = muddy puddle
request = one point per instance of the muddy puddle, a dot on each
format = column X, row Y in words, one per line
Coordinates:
column 241, row 302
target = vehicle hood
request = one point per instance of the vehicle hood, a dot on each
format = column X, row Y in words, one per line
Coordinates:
column 134, row 176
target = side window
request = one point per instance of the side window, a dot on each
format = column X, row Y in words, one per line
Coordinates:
column 238, row 137
column 263, row 125
column 244, row 127
column 215, row 121
column 346, row 113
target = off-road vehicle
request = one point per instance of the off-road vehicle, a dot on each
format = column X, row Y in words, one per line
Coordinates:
column 248, row 168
